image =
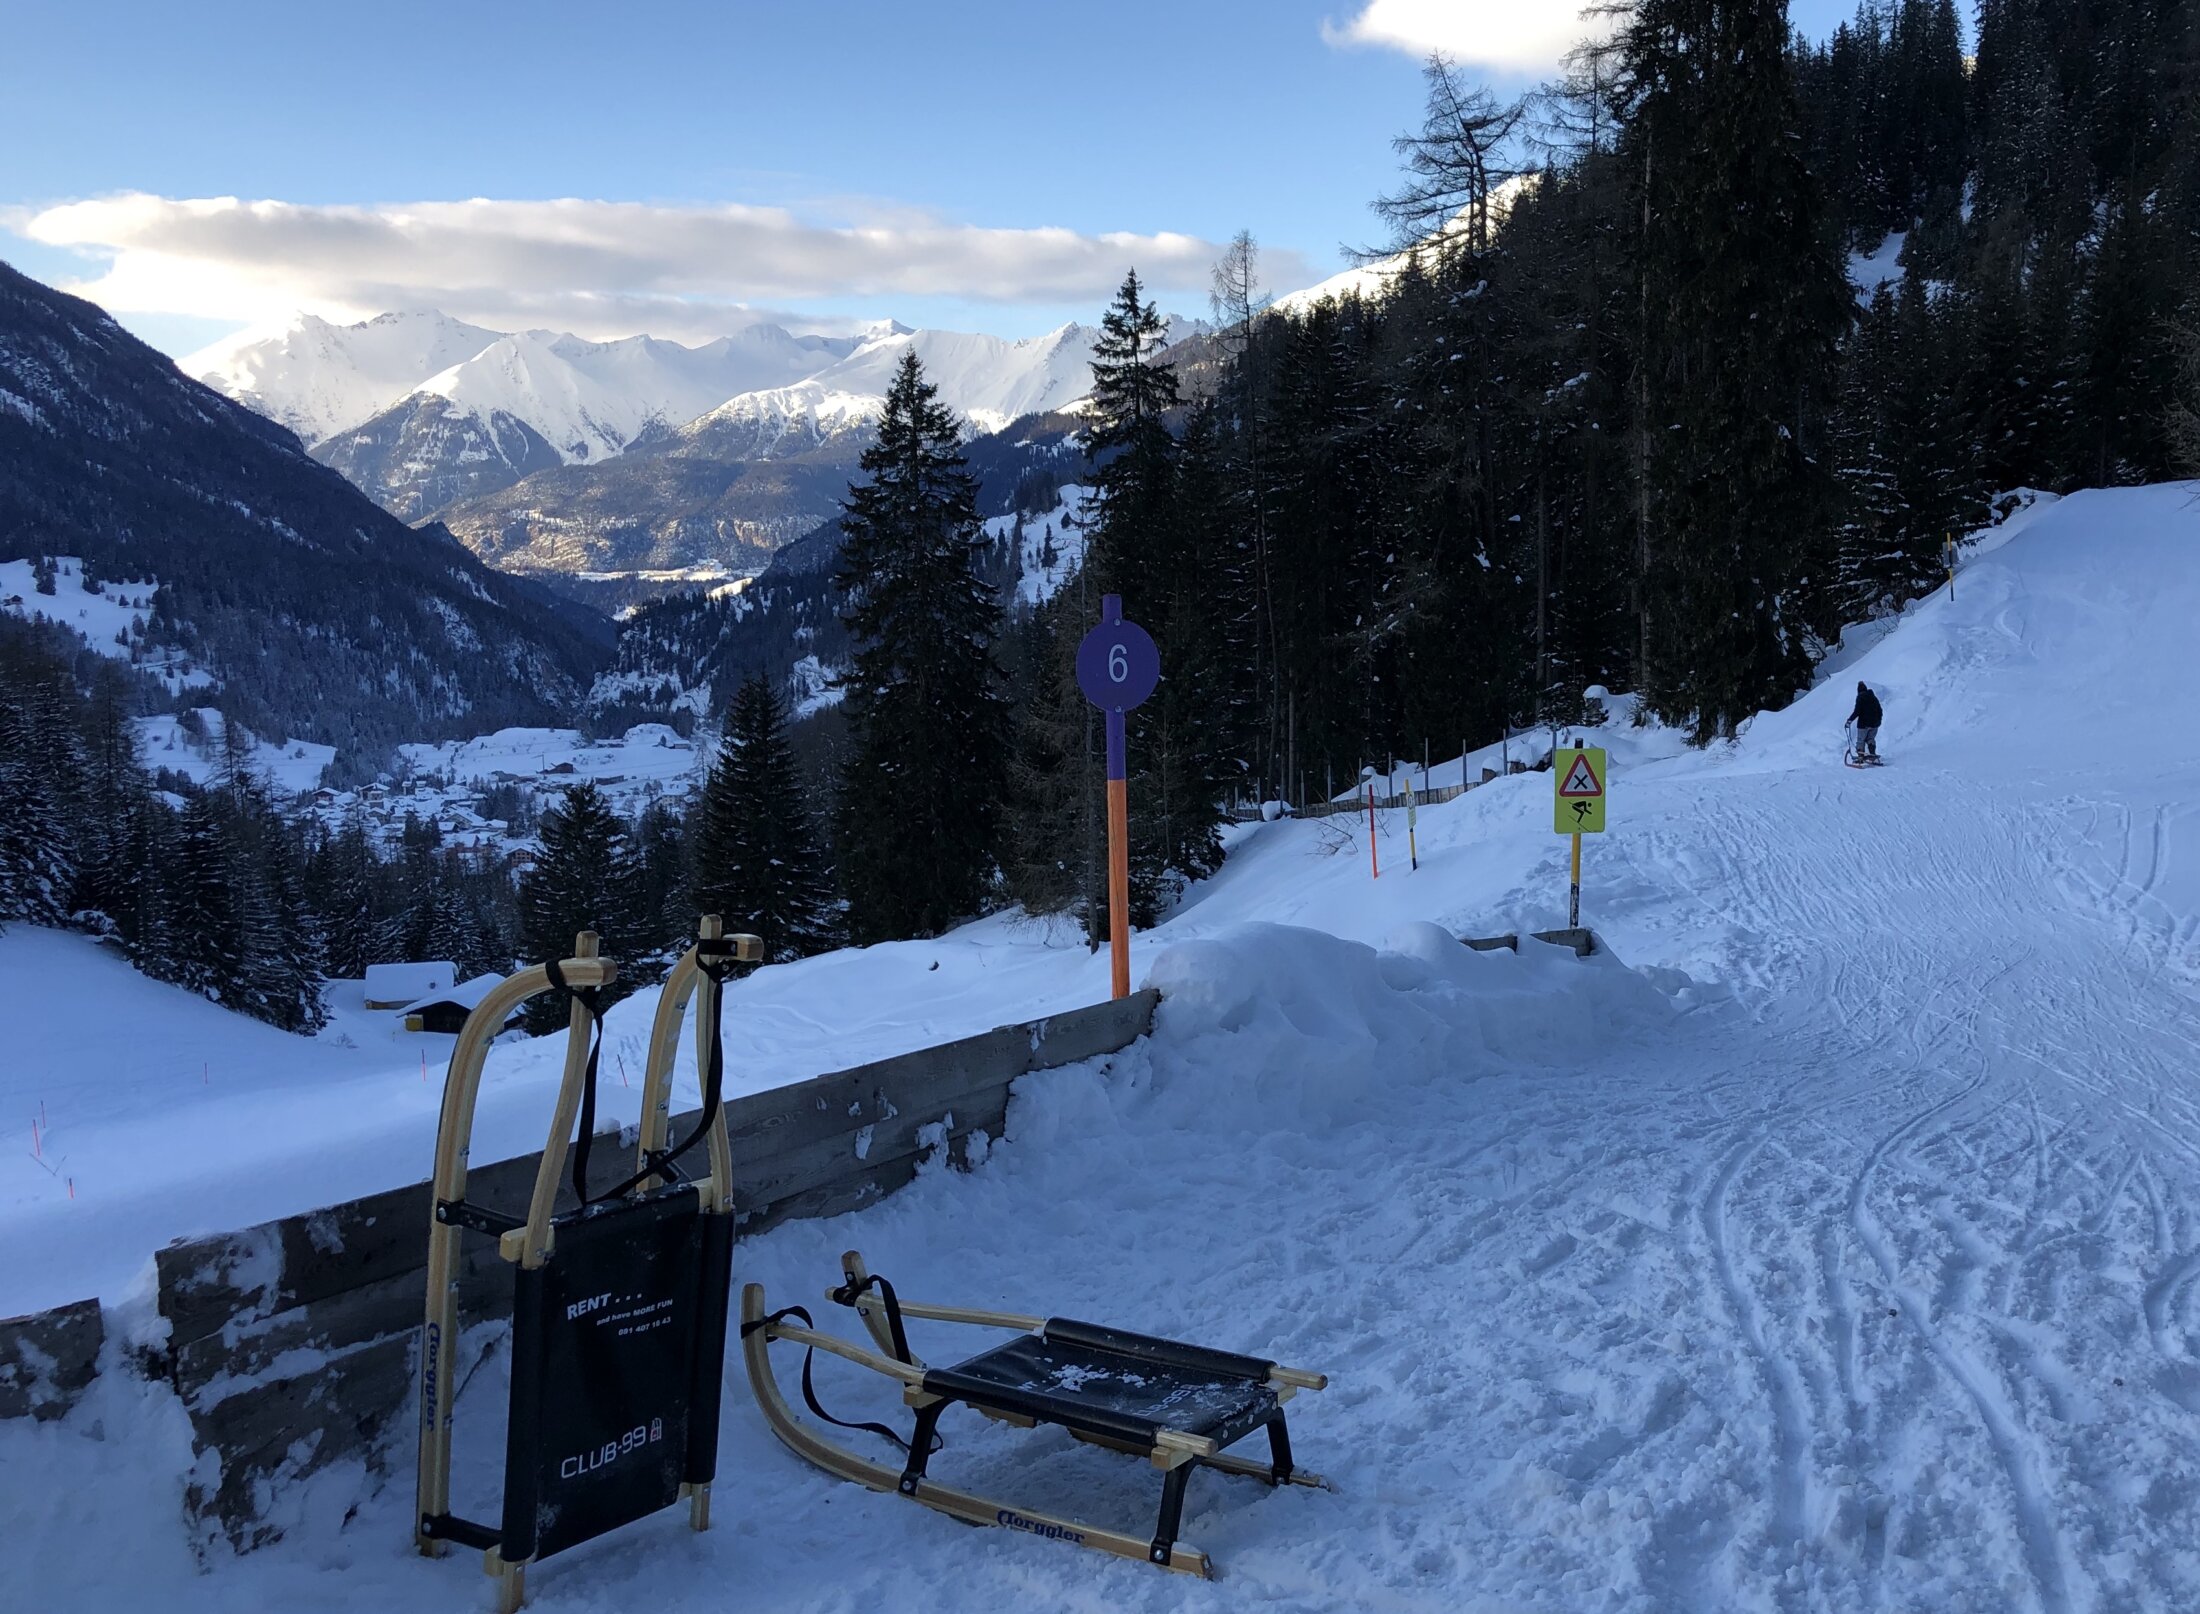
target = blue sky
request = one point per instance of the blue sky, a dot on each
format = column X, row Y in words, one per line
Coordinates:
column 881, row 159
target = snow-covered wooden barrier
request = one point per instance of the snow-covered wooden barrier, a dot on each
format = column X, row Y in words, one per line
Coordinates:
column 1582, row 941
column 291, row 1343
column 47, row 1358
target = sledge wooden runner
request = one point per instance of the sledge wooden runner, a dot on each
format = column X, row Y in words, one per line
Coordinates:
column 1177, row 1405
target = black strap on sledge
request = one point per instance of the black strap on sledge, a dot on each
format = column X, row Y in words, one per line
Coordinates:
column 590, row 999
column 809, row 1389
column 716, row 961
column 849, row 1293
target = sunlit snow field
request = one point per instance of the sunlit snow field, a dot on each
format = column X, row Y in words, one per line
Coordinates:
column 1827, row 1244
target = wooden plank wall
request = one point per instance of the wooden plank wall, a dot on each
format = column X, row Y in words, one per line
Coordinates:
column 48, row 1358
column 292, row 1343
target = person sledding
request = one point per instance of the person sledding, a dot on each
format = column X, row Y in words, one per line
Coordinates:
column 1864, row 721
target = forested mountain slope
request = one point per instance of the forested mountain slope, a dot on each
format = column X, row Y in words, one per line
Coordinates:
column 325, row 617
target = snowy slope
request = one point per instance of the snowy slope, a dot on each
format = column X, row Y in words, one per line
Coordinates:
column 1372, row 278
column 110, row 618
column 1843, row 1254
column 317, row 378
column 286, row 767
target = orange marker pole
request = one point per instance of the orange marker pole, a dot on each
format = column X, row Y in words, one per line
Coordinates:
column 1117, row 668
column 1573, row 898
column 1119, row 884
column 1374, row 868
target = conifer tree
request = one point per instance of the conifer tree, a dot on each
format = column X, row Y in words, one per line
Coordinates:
column 198, row 910
column 664, row 922
column 1163, row 537
column 111, row 875
column 757, row 861
column 1744, row 299
column 1054, row 780
column 583, row 879
column 918, row 814
column 342, row 877
column 456, row 931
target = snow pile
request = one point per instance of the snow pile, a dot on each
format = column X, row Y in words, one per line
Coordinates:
column 1393, row 1040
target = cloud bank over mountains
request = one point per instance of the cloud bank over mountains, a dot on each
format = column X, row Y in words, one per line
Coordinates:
column 601, row 269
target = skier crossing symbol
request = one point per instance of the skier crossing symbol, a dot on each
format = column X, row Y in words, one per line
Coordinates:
column 1578, row 775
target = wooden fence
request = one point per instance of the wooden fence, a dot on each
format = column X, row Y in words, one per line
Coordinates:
column 1249, row 813
column 292, row 1343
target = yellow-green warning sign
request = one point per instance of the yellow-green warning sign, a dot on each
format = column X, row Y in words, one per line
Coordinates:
column 1578, row 778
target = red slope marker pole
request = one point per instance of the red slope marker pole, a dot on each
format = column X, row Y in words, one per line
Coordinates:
column 1374, row 868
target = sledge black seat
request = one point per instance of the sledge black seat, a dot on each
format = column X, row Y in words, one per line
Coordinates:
column 1178, row 1405
column 1114, row 1386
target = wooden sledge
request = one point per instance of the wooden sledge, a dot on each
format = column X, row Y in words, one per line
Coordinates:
column 1176, row 1405
column 614, row 1410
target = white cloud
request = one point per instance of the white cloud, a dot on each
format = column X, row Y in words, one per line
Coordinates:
column 1519, row 36
column 601, row 269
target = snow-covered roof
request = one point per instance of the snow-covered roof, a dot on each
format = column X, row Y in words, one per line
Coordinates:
column 466, row 995
column 401, row 983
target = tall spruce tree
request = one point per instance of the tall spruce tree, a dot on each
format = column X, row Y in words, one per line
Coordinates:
column 756, row 859
column 38, row 858
column 198, row 910
column 919, row 808
column 1162, row 537
column 582, row 879
column 1744, row 299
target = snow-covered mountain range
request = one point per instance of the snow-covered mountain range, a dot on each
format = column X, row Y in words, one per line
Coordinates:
column 424, row 411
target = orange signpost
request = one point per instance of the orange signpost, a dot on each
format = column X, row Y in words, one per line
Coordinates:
column 1117, row 668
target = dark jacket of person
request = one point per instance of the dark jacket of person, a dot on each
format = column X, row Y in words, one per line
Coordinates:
column 1867, row 713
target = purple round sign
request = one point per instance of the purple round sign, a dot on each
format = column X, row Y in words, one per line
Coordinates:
column 1117, row 665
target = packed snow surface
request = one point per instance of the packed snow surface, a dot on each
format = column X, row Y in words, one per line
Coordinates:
column 1836, row 1250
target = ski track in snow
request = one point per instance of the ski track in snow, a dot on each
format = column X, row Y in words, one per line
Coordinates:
column 1861, row 1275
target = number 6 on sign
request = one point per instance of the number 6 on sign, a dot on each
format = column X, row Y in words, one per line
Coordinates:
column 1119, row 664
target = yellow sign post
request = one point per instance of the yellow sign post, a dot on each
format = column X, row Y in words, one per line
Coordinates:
column 1578, row 777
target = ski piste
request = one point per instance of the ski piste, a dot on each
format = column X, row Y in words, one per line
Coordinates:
column 1826, row 1240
